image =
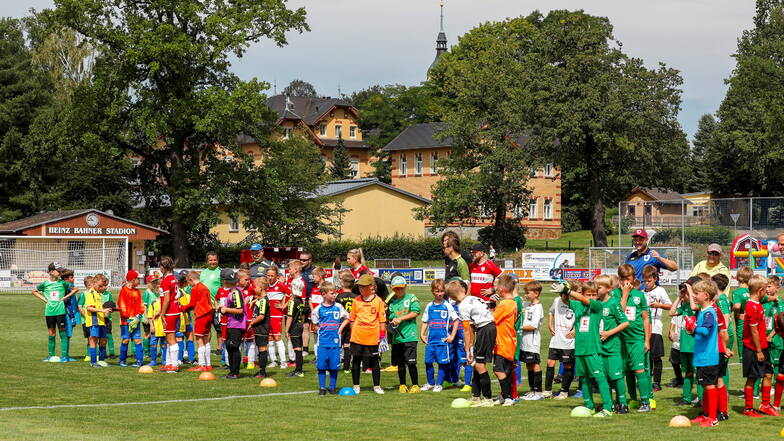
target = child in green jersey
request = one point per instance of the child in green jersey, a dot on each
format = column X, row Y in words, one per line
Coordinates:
column 53, row 293
column 613, row 322
column 726, row 335
column 636, row 338
column 681, row 306
column 404, row 308
column 739, row 298
column 771, row 307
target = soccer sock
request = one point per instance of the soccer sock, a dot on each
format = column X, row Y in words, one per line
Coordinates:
column 757, row 387
column 346, row 358
column 676, row 367
column 139, row 352
column 200, row 355
column 52, row 344
column 513, row 382
column 298, row 360
column 686, row 395
column 180, row 351
column 174, row 355
column 706, row 405
column 506, row 384
column 333, row 379
column 620, row 391
column 355, row 366
column 146, row 345
column 657, row 370
column 413, row 372
column 191, row 348
column 207, row 354
column 531, row 381
column 376, row 369
column 263, row 357
column 154, row 349
column 252, row 351
column 93, row 355
column 779, row 390
column 566, row 381
column 604, row 392
column 123, row 352
column 291, row 350
column 644, row 382
column 538, row 381
column 442, row 368
column 322, row 378
column 587, row 398
column 748, row 393
column 235, row 359
column 518, row 377
column 271, row 349
column 631, row 386
column 102, row 353
column 401, row 374
column 713, row 402
column 468, row 373
column 484, row 381
column 476, row 388
column 430, row 373
column 765, row 395
column 548, row 379
column 110, row 343
column 721, row 398
column 281, row 351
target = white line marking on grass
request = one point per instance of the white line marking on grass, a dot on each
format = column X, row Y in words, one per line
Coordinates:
column 138, row 403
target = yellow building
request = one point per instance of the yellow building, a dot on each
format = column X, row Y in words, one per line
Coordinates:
column 375, row 209
column 656, row 207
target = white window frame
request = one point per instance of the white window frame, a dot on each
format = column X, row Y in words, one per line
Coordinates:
column 548, row 209
column 354, row 168
column 322, row 130
column 403, row 166
column 533, row 205
column 338, row 131
column 352, row 131
column 419, row 164
column 548, row 170
column 434, row 163
column 287, row 132
column 234, row 225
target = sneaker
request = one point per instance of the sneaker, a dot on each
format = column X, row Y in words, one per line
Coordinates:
column 533, row 396
column 656, row 387
column 207, row 368
column 194, row 369
column 333, row 391
column 284, row 366
column 497, row 401
column 752, row 413
column 86, row 358
column 152, row 364
column 722, row 416
column 260, row 374
column 426, row 387
column 296, row 374
column 322, row 392
column 378, row 390
column 768, row 409
column 474, row 399
column 403, row 389
column 137, row 364
column 305, row 353
column 644, row 407
column 459, row 384
column 683, row 402
column 547, row 394
column 439, row 388
column 709, row 423
column 103, row 363
column 47, row 359
column 229, row 377
column 652, row 403
column 484, row 402
column 508, row 402
column 346, row 372
column 414, row 389
column 604, row 413
column 465, row 388
column 561, row 395
column 173, row 370
column 356, row 389
column 95, row 365
column 622, row 409
column 390, row 368
column 123, row 364
column 578, row 394
column 271, row 365
column 700, row 418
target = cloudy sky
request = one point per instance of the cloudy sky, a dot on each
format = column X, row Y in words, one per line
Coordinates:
column 357, row 43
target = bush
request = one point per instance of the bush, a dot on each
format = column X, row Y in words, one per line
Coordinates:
column 400, row 247
column 512, row 236
column 570, row 220
column 707, row 235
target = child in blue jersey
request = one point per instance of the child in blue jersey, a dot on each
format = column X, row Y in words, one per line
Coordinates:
column 706, row 349
column 438, row 330
column 330, row 318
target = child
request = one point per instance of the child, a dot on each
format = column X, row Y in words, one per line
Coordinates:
column 614, row 321
column 278, row 294
column 676, row 325
column 346, row 297
column 403, row 311
column 330, row 318
column 658, row 301
column 317, row 278
column 185, row 336
column 368, row 326
column 53, row 293
column 681, row 307
column 72, row 316
column 296, row 285
column 772, row 308
column 756, row 360
column 295, row 326
column 88, row 283
column 244, row 284
column 532, row 320
column 739, row 298
column 201, row 305
column 95, row 320
column 234, row 310
column 170, row 314
column 260, row 323
column 706, row 353
column 724, row 309
column 560, row 320
column 149, row 297
column 131, row 314
column 635, row 338
column 439, row 327
column 107, row 299
column 504, row 317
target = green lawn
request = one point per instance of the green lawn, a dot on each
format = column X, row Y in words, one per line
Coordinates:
column 241, row 410
column 576, row 239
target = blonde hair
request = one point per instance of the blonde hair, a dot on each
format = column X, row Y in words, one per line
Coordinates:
column 88, row 281
column 194, row 275
column 327, row 287
column 590, row 287
column 437, row 284
column 242, row 273
column 533, row 286
column 295, row 264
column 616, row 281
column 744, row 274
column 757, row 282
column 261, row 282
column 357, row 254
column 506, row 282
column 604, row 280
column 98, row 278
column 707, row 286
column 318, row 271
column 455, row 287
column 625, row 270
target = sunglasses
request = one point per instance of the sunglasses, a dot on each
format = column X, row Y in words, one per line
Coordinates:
column 305, row 260
column 713, row 253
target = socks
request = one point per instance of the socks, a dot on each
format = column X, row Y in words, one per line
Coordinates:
column 146, row 345
column 271, row 350
column 281, row 351
column 291, row 350
column 154, row 350
column 631, row 385
column 657, row 370
column 442, row 368
column 604, row 392
column 180, row 351
column 585, row 385
column 687, row 380
column 531, row 381
column 721, row 397
column 102, row 353
column 566, row 381
column 779, row 390
column 252, row 351
column 139, row 353
column 355, row 365
column 190, row 347
column 513, row 382
column 322, row 378
column 414, row 373
column 52, row 343
column 401, row 374
column 110, row 343
column 506, row 390
column 765, row 395
column 476, row 388
column 711, row 396
column 174, row 355
column 469, row 373
column 333, row 379
column 748, row 393
column 538, row 381
column 65, row 342
column 620, row 392
column 93, row 355
column 207, row 353
column 548, row 382
column 484, row 382
column 200, row 355
column 263, row 358
column 376, row 371
column 644, row 383
column 430, row 373
column 123, row 352
column 298, row 360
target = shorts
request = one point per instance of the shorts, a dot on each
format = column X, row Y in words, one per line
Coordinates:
column 295, row 335
column 438, row 353
column 657, row 346
column 57, row 321
column 563, row 355
column 404, row 353
column 276, row 326
column 484, row 343
column 261, row 340
column 189, row 328
column 588, row 366
column 723, row 362
column 216, row 323
column 85, row 331
column 613, row 366
column 708, row 375
column 675, row 356
column 146, row 328
column 529, row 357
column 633, row 356
column 457, row 351
column 108, row 324
column 126, row 333
column 358, row 350
column 171, row 323
column 753, row 368
column 328, row 359
column 98, row 331
column 345, row 336
column 234, row 337
column 248, row 335
column 687, row 362
column 502, row 364
column 202, row 324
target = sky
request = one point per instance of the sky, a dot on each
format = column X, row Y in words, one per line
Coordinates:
column 354, row 44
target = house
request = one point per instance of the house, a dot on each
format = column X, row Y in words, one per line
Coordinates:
column 654, row 207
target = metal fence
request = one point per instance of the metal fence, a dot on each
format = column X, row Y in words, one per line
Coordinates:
column 608, row 259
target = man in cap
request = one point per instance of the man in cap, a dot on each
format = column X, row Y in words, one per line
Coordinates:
column 368, row 319
column 483, row 273
column 260, row 264
column 712, row 264
column 643, row 256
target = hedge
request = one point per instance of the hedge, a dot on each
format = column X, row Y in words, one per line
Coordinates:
column 719, row 234
column 396, row 247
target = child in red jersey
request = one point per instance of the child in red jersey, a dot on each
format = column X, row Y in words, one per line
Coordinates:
column 756, row 359
column 483, row 273
column 356, row 261
column 278, row 294
column 202, row 309
column 170, row 313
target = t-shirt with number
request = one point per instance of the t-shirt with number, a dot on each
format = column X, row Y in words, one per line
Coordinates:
column 475, row 310
column 439, row 318
column 635, row 305
column 657, row 295
column 277, row 292
column 296, row 312
column 482, row 277
column 587, row 340
column 169, row 284
column 328, row 319
column 533, row 314
column 771, row 309
column 612, row 316
column 345, row 298
column 211, row 278
column 687, row 340
column 260, row 307
column 406, row 331
column 563, row 323
column 53, row 292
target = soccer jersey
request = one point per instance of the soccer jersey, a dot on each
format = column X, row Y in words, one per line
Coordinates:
column 328, row 318
column 93, row 298
column 739, row 297
column 586, row 327
column 639, row 261
column 278, row 292
column 169, row 284
column 657, row 295
column 200, row 301
column 754, row 322
column 706, row 348
column 635, row 305
column 356, row 271
column 724, row 304
column 149, row 297
column 482, row 277
column 129, row 301
column 297, row 287
column 53, row 292
column 439, row 318
column 345, row 298
column 505, row 315
column 406, row 330
column 235, row 299
column 366, row 317
column 563, row 322
column 315, row 297
column 686, row 339
column 211, row 279
column 260, row 307
column 612, row 316
column 533, row 316
column 296, row 311
column 475, row 310
column 457, row 269
column 722, row 326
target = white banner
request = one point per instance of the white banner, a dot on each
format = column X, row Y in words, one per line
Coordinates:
column 547, row 266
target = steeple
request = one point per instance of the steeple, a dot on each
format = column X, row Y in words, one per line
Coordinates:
column 440, row 40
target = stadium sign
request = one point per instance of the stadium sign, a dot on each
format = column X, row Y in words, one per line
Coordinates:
column 92, row 231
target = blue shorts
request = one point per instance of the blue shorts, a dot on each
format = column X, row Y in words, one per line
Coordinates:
column 189, row 327
column 125, row 333
column 328, row 359
column 458, row 351
column 438, row 354
column 98, row 331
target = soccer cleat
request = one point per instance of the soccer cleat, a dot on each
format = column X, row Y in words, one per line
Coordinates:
column 645, row 407
column 103, row 363
column 722, row 416
column 292, row 364
column 95, row 365
column 152, row 364
column 653, row 403
column 378, row 390
column 173, row 370
column 484, row 402
column 561, row 395
column 47, row 359
column 271, row 365
column 622, row 409
column 346, row 371
column 437, row 388
column 69, row 359
column 547, row 394
column 284, row 366
column 225, row 367
column 333, row 391
column 414, row 389
column 426, row 387
column 390, row 368
column 700, row 418
column 604, row 413
column 656, row 387
column 497, row 401
column 86, row 358
column 675, row 383
column 466, row 388
column 123, row 364
column 709, row 423
column 295, row 374
column 322, row 392
column 207, row 368
column 767, row 409
column 137, row 364
column 356, row 389
column 194, row 369
column 367, row 371
column 231, row 377
column 474, row 399
column 403, row 389
column 683, row 402
column 578, row 394
column 508, row 402
column 752, row 413
column 459, row 384
column 533, row 396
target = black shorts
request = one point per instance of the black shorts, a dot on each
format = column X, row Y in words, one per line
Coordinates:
column 675, row 356
column 234, row 336
column 404, row 353
column 562, row 355
column 723, row 361
column 484, row 343
column 753, row 368
column 146, row 327
column 345, row 336
column 86, row 331
column 295, row 335
column 501, row 364
column 529, row 357
column 261, row 340
column 358, row 350
column 55, row 321
column 708, row 375
column 657, row 346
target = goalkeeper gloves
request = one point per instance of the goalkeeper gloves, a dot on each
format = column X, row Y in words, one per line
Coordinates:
column 383, row 346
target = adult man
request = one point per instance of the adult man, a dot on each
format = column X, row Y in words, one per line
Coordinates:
column 712, row 265
column 456, row 266
column 260, row 264
column 483, row 273
column 210, row 277
column 307, row 277
column 643, row 256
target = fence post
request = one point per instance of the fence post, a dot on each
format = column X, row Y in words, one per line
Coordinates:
column 612, row 242
column 546, row 246
column 591, row 243
column 570, row 245
column 751, row 217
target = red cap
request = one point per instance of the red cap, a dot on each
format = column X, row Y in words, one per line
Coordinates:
column 640, row 232
column 152, row 277
column 131, row 275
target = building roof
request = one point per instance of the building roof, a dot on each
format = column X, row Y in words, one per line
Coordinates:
column 418, row 136
column 308, row 109
column 335, row 188
column 660, row 194
column 47, row 217
column 349, row 144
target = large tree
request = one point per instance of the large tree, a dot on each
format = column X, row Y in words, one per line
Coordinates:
column 341, row 163
column 163, row 92
column 300, row 88
column 702, row 175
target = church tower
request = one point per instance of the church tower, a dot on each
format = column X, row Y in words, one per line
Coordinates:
column 440, row 40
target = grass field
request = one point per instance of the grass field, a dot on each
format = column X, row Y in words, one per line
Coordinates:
column 119, row 403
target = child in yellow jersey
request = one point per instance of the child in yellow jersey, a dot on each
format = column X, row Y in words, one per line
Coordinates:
column 95, row 319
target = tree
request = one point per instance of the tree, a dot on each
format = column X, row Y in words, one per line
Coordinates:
column 162, row 92
column 749, row 142
column 702, row 174
column 300, row 88
column 341, row 163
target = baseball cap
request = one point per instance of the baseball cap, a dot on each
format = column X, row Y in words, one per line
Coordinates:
column 53, row 266
column 256, row 247
column 365, row 280
column 478, row 247
column 182, row 275
column 228, row 275
column 714, row 248
column 152, row 277
column 398, row 281
column 131, row 275
column 640, row 232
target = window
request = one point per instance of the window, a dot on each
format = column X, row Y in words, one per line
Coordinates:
column 323, row 130
column 136, row 161
column 403, row 165
column 338, row 131
column 75, row 253
column 286, row 132
column 630, row 210
column 354, row 168
column 352, row 132
column 548, row 208
column 234, row 225
column 532, row 214
column 419, row 165
column 531, row 172
column 548, row 170
column 434, row 163
column 699, row 211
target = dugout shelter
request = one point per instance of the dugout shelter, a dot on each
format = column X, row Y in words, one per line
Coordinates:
column 87, row 241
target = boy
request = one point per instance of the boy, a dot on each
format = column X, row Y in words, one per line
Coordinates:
column 260, row 323
column 368, row 326
column 317, row 278
column 330, row 318
column 297, row 287
column 676, row 324
column 681, row 307
column 346, row 297
column 439, row 327
column 295, row 326
column 244, row 284
column 706, row 349
column 726, row 334
column 614, row 321
column 403, row 311
column 533, row 314
column 479, row 336
column 756, row 360
column 107, row 299
column 739, row 298
column 88, row 283
column 278, row 294
column 201, row 305
column 95, row 320
column 169, row 314
column 53, row 293
column 658, row 301
column 560, row 320
column 636, row 337
column 149, row 297
column 72, row 316
column 504, row 317
column 234, row 311
column 772, row 308
column 131, row 314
